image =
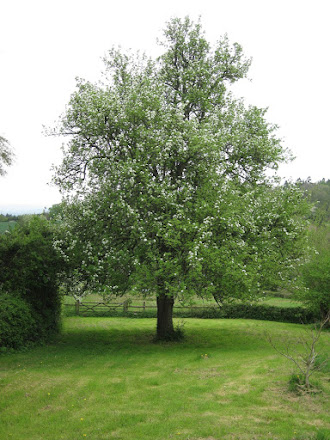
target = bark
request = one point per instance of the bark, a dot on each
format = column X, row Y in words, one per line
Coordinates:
column 165, row 329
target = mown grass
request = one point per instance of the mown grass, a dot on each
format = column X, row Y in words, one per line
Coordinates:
column 106, row 379
column 281, row 302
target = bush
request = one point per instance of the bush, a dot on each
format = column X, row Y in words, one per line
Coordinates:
column 298, row 315
column 18, row 326
column 29, row 269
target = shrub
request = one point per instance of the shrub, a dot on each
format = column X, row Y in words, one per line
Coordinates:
column 29, row 268
column 298, row 315
column 263, row 312
column 18, row 326
column 302, row 352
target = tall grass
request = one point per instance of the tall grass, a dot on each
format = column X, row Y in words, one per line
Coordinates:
column 106, row 379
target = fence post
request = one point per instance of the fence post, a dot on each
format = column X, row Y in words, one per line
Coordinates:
column 144, row 306
column 77, row 307
column 125, row 308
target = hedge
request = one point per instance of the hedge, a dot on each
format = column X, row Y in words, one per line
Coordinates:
column 29, row 270
column 18, row 325
column 297, row 315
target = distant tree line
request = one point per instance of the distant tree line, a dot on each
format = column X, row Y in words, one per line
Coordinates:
column 9, row 217
column 319, row 194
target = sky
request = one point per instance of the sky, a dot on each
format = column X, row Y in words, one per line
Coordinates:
column 46, row 44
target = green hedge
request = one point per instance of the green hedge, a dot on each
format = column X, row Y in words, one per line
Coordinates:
column 29, row 269
column 18, row 325
column 298, row 315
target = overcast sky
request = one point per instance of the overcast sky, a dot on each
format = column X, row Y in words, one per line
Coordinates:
column 45, row 44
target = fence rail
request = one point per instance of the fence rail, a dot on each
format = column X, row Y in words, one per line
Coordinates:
column 125, row 306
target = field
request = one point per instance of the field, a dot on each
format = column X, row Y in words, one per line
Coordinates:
column 106, row 379
column 5, row 226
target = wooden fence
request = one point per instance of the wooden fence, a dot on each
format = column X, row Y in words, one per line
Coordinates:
column 81, row 308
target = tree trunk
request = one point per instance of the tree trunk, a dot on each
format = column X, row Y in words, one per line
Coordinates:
column 165, row 329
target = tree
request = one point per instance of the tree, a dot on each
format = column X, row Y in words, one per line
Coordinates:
column 319, row 195
column 316, row 272
column 165, row 178
column 302, row 352
column 6, row 155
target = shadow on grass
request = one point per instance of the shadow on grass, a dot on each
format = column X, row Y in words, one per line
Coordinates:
column 101, row 335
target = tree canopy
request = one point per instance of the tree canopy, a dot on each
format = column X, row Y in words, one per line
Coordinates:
column 165, row 178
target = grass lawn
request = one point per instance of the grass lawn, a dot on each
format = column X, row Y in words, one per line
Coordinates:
column 281, row 302
column 105, row 379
